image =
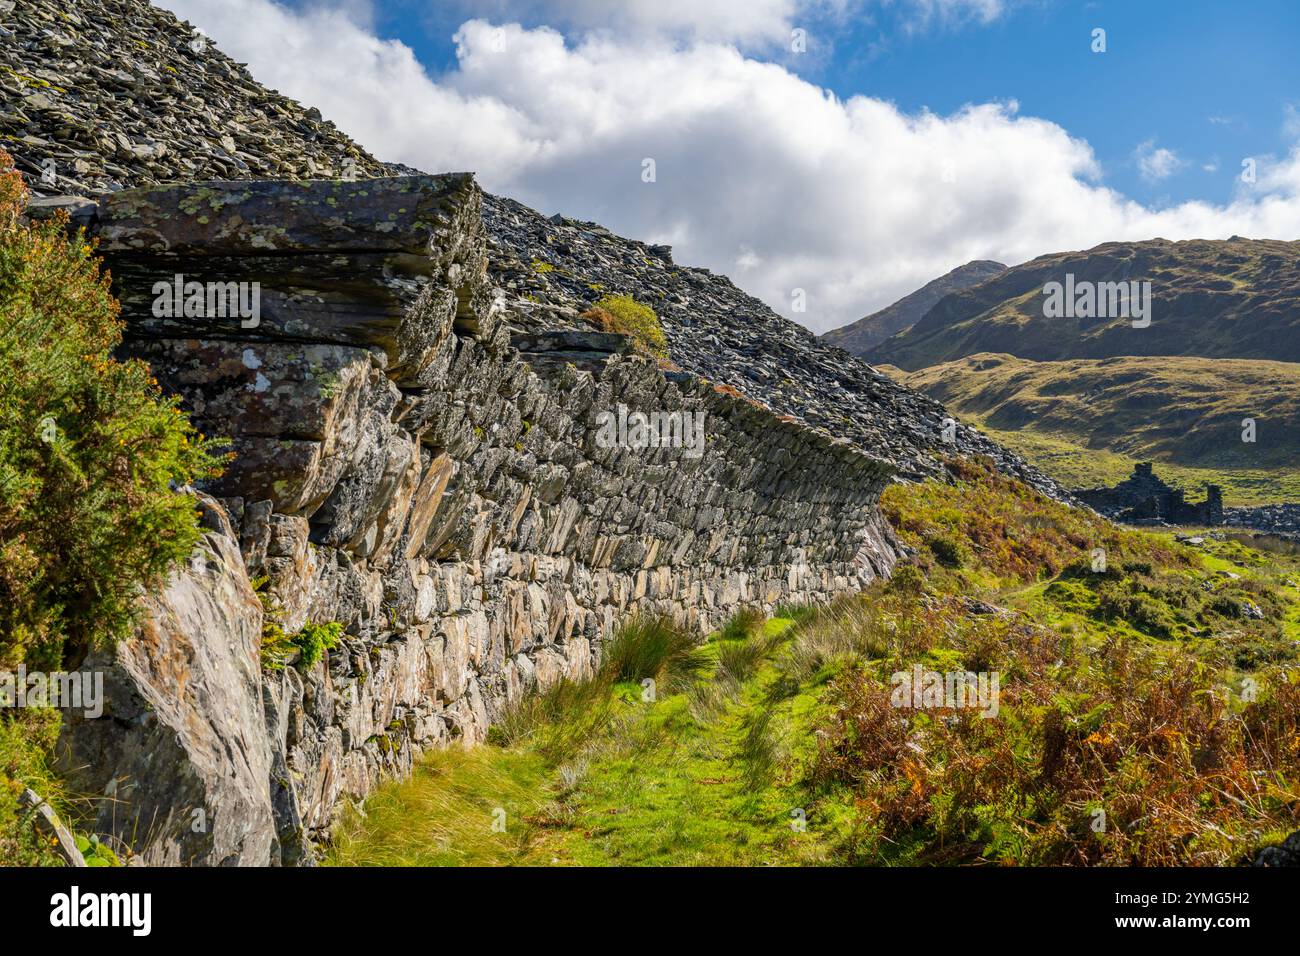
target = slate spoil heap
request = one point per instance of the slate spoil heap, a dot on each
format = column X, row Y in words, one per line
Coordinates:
column 553, row 269
column 116, row 94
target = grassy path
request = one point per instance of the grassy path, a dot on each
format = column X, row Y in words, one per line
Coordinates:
column 690, row 778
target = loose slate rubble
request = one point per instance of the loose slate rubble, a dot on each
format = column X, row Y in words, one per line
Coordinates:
column 555, row 268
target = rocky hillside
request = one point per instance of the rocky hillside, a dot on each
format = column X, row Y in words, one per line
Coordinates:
column 104, row 94
column 170, row 112
column 553, row 268
column 860, row 336
column 1235, row 298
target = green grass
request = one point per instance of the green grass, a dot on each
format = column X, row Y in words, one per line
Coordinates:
column 770, row 723
column 664, row 782
column 27, row 738
column 444, row 814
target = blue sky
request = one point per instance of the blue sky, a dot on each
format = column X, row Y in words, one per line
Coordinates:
column 1208, row 79
column 912, row 135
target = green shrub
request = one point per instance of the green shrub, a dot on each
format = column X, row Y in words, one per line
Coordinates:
column 624, row 314
column 946, row 550
column 315, row 639
column 90, row 451
column 907, row 579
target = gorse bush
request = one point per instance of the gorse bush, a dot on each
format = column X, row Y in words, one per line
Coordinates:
column 90, row 451
column 624, row 314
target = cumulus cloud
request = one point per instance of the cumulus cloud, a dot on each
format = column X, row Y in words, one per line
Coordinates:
column 1156, row 163
column 760, row 174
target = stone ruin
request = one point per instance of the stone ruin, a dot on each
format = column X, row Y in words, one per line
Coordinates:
column 1143, row 498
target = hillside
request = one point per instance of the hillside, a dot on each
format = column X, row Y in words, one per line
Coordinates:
column 1235, row 298
column 1087, row 421
column 859, row 337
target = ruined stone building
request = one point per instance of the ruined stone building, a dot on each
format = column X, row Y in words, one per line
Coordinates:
column 1144, row 497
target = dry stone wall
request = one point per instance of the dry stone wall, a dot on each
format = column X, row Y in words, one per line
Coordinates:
column 400, row 467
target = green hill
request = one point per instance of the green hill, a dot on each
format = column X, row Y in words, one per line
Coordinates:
column 1086, row 421
column 1235, row 298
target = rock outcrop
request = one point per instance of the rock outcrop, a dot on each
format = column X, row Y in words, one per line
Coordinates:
column 180, row 759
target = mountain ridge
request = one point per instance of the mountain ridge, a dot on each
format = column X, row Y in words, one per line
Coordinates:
column 1231, row 298
column 859, row 337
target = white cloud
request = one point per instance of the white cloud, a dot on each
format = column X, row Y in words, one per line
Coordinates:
column 741, row 21
column 748, row 23
column 760, row 174
column 1290, row 121
column 1155, row 163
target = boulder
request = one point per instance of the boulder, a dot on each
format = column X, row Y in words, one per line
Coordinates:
column 178, row 763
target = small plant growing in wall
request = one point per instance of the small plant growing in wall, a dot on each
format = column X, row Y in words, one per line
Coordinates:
column 315, row 639
column 627, row 316
column 280, row 647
